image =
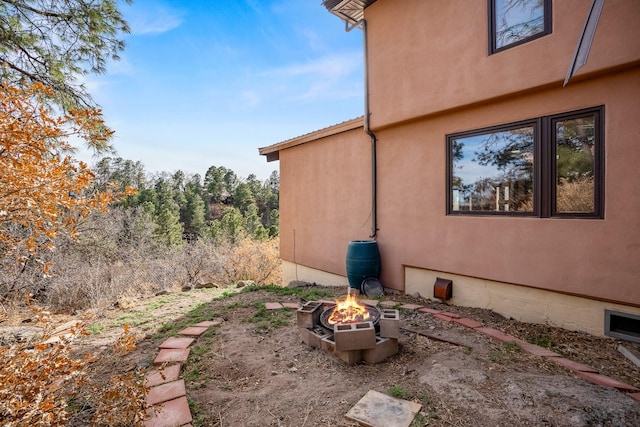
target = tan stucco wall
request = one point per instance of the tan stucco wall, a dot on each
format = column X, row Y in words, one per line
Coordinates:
column 598, row 258
column 325, row 200
column 518, row 302
column 429, row 56
column 295, row 272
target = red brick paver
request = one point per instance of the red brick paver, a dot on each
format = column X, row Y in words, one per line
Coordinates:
column 208, row 323
column 293, row 305
column 272, row 305
column 536, row 350
column 176, row 342
column 469, row 323
column 606, row 381
column 429, row 310
column 160, row 376
column 451, row 315
column 193, row 331
column 442, row 317
column 571, row 365
column 165, row 392
column 173, row 413
column 169, row 355
column 635, row 396
column 499, row 335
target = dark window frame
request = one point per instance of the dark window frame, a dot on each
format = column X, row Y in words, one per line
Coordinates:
column 547, row 28
column 544, row 172
column 535, row 123
column 598, row 163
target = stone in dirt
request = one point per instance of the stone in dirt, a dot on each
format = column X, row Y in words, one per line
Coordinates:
column 377, row 409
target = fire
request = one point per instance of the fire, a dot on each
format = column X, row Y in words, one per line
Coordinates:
column 348, row 311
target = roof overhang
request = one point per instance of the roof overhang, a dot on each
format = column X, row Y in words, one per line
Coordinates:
column 350, row 11
column 272, row 152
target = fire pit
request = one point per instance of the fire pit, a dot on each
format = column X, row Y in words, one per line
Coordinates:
column 349, row 311
column 350, row 330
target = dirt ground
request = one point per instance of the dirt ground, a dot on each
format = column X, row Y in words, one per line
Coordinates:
column 254, row 370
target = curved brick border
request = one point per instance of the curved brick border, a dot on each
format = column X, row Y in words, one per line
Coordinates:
column 583, row 371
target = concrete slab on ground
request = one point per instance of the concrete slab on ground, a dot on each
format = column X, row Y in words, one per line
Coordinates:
column 377, row 409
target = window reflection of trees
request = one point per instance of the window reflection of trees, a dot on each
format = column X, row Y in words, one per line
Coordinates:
column 575, row 163
column 516, row 20
column 503, row 180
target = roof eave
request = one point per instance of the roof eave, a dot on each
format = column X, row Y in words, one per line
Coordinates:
column 272, row 152
column 350, row 11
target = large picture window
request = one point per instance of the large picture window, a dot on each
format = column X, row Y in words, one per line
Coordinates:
column 550, row 166
column 513, row 22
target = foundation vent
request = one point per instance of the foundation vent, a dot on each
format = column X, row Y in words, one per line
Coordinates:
column 443, row 289
column 620, row 325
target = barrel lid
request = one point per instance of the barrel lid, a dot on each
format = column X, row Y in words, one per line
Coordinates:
column 372, row 287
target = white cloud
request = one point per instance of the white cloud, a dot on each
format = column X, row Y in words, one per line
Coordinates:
column 328, row 67
column 325, row 77
column 153, row 19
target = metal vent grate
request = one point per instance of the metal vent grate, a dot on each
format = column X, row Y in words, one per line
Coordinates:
column 620, row 325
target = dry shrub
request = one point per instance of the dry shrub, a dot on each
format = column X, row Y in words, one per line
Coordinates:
column 38, row 379
column 101, row 270
column 257, row 260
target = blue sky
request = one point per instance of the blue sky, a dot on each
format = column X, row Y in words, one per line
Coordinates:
column 205, row 83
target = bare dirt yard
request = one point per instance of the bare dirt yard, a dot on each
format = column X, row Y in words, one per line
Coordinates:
column 254, row 370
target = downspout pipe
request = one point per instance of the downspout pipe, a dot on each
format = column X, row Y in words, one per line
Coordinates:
column 367, row 128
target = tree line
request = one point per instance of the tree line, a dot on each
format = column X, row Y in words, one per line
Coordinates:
column 187, row 207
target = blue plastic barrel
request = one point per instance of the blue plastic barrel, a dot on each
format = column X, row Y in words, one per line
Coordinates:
column 363, row 260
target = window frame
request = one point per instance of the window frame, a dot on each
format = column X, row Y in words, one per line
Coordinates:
column 547, row 27
column 598, row 163
column 535, row 123
column 544, row 165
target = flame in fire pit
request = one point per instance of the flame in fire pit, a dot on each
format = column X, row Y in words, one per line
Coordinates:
column 348, row 311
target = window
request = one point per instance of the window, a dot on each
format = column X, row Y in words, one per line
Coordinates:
column 513, row 22
column 551, row 166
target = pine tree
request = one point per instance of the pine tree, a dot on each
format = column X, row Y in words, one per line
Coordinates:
column 252, row 224
column 53, row 42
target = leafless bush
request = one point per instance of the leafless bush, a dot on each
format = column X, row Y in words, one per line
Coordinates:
column 116, row 260
column 249, row 260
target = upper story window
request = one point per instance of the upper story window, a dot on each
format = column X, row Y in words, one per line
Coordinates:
column 514, row 22
column 551, row 166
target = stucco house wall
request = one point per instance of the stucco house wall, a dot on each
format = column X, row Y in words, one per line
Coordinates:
column 592, row 257
column 431, row 75
column 325, row 192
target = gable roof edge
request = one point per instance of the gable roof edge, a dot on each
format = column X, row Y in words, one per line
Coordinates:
column 272, row 150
